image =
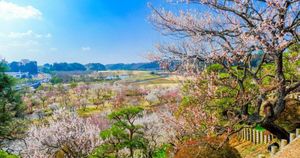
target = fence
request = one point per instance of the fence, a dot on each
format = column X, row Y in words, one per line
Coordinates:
column 283, row 143
column 255, row 136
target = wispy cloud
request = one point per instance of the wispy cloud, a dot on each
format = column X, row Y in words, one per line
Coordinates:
column 10, row 11
column 26, row 41
column 53, row 49
column 27, row 34
column 86, row 48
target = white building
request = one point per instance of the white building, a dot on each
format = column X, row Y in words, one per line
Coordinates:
column 18, row 74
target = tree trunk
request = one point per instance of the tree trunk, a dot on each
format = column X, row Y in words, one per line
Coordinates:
column 279, row 107
column 276, row 130
column 280, row 104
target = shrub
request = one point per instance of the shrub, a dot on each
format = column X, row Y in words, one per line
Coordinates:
column 204, row 148
column 4, row 154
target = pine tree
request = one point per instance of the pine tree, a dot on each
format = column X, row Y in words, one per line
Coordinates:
column 11, row 107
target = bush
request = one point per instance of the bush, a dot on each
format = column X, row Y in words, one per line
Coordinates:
column 4, row 154
column 205, row 148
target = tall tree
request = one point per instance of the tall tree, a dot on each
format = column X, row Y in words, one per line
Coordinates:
column 231, row 33
column 11, row 107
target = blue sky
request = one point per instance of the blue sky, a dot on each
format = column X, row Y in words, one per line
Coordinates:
column 105, row 31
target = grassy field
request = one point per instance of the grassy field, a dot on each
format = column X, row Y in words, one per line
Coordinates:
column 146, row 78
column 89, row 111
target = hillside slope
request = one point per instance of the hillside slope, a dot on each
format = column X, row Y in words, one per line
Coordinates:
column 292, row 150
column 248, row 149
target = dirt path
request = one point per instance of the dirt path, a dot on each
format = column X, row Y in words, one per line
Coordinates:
column 292, row 150
column 248, row 149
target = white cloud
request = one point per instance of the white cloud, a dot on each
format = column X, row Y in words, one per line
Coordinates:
column 48, row 35
column 25, row 41
column 85, row 49
column 10, row 11
column 27, row 34
column 53, row 49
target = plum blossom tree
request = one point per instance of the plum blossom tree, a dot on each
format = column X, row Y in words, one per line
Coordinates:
column 43, row 97
column 152, row 97
column 164, row 95
column 65, row 134
column 63, row 94
column 119, row 98
column 32, row 103
column 232, row 33
column 101, row 94
column 81, row 93
column 170, row 95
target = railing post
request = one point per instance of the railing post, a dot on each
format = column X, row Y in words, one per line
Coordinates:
column 273, row 150
column 283, row 143
column 257, row 137
column 292, row 136
column 244, row 134
column 298, row 132
column 269, row 138
column 250, row 135
column 261, row 136
column 253, row 136
column 265, row 139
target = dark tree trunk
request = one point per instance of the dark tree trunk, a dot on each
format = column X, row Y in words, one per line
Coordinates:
column 279, row 107
column 281, row 92
column 278, row 131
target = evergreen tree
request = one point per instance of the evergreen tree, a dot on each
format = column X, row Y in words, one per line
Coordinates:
column 11, row 107
column 123, row 134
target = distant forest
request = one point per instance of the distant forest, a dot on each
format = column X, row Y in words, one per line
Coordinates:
column 134, row 66
column 23, row 66
column 32, row 68
column 98, row 67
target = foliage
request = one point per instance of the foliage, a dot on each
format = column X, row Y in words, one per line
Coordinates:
column 98, row 67
column 95, row 67
column 214, row 68
column 67, row 67
column 134, row 66
column 162, row 151
column 259, row 128
column 24, row 66
column 11, row 107
column 89, row 111
column 4, row 154
column 123, row 134
column 206, row 148
column 56, row 80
